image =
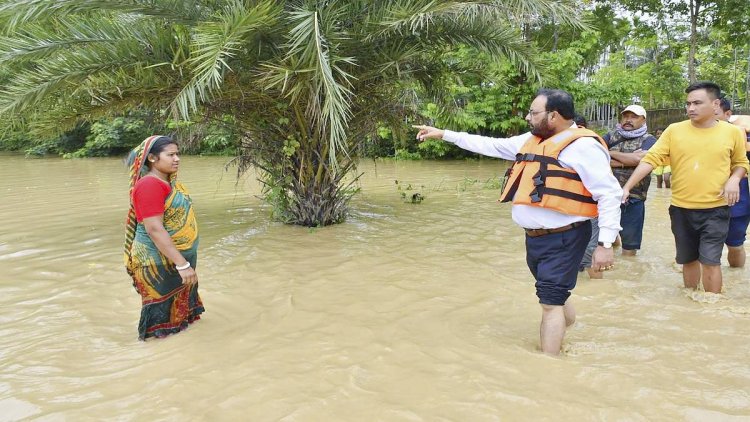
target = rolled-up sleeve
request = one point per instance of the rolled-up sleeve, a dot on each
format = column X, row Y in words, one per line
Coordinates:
column 591, row 161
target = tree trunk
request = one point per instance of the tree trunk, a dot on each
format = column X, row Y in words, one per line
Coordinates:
column 695, row 6
column 299, row 182
column 317, row 195
column 555, row 36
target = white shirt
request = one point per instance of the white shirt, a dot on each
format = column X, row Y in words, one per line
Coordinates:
column 586, row 156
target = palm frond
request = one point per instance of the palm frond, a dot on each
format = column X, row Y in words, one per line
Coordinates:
column 407, row 53
column 19, row 12
column 66, row 72
column 328, row 104
column 214, row 43
column 497, row 41
column 564, row 12
column 409, row 17
column 37, row 41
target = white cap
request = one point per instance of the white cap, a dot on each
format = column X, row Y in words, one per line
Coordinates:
column 635, row 109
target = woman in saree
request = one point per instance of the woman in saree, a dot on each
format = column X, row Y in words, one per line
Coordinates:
column 162, row 240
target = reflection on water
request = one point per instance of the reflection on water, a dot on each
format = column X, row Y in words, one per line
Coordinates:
column 405, row 312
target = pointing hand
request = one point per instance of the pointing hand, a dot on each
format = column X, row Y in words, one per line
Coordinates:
column 428, row 132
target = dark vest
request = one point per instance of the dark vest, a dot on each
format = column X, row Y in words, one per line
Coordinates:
column 622, row 144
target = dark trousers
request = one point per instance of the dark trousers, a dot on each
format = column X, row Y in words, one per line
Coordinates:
column 553, row 259
column 633, row 213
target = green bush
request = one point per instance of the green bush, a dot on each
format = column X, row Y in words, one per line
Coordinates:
column 377, row 146
column 66, row 143
column 433, row 149
column 220, row 138
column 403, row 154
column 13, row 141
column 113, row 137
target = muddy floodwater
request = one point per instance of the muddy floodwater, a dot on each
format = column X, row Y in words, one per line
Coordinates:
column 406, row 312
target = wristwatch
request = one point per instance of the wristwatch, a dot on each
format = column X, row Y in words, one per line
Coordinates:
column 605, row 245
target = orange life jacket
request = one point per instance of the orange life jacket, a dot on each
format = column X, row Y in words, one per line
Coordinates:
column 538, row 179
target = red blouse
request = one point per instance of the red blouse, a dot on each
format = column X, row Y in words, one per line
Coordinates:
column 148, row 197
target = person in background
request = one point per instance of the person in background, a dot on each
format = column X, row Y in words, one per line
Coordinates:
column 741, row 120
column 663, row 173
column 580, row 121
column 708, row 162
column 739, row 213
column 594, row 273
column 560, row 179
column 627, row 145
column 161, row 244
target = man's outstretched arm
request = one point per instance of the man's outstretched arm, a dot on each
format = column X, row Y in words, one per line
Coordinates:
column 505, row 148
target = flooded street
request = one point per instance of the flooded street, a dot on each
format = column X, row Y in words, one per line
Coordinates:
column 406, row 312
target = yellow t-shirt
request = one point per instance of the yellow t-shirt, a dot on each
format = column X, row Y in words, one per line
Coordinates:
column 701, row 159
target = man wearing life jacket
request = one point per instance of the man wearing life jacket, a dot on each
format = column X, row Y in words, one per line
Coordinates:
column 560, row 179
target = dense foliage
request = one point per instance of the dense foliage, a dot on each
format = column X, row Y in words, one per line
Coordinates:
column 634, row 51
column 306, row 81
column 301, row 88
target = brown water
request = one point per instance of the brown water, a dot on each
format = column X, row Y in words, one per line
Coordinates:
column 404, row 313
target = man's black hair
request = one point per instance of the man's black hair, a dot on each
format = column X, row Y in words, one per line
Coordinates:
column 725, row 104
column 580, row 120
column 559, row 101
column 713, row 90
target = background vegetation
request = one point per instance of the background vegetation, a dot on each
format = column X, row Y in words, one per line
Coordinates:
column 301, row 88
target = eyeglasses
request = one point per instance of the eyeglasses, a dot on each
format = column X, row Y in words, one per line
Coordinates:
column 534, row 113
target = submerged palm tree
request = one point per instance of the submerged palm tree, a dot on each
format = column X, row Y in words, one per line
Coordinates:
column 306, row 80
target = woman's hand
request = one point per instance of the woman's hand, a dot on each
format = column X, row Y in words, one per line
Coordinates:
column 163, row 241
column 189, row 276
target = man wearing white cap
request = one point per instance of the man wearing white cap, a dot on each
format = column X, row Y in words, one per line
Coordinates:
column 628, row 143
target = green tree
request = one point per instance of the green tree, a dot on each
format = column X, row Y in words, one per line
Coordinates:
column 701, row 16
column 305, row 80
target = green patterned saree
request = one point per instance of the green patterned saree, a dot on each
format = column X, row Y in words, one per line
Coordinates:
column 168, row 306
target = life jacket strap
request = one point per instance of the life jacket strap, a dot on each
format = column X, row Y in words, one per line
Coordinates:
column 538, row 158
column 562, row 193
column 565, row 174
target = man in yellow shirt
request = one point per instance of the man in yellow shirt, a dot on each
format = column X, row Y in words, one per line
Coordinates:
column 708, row 161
